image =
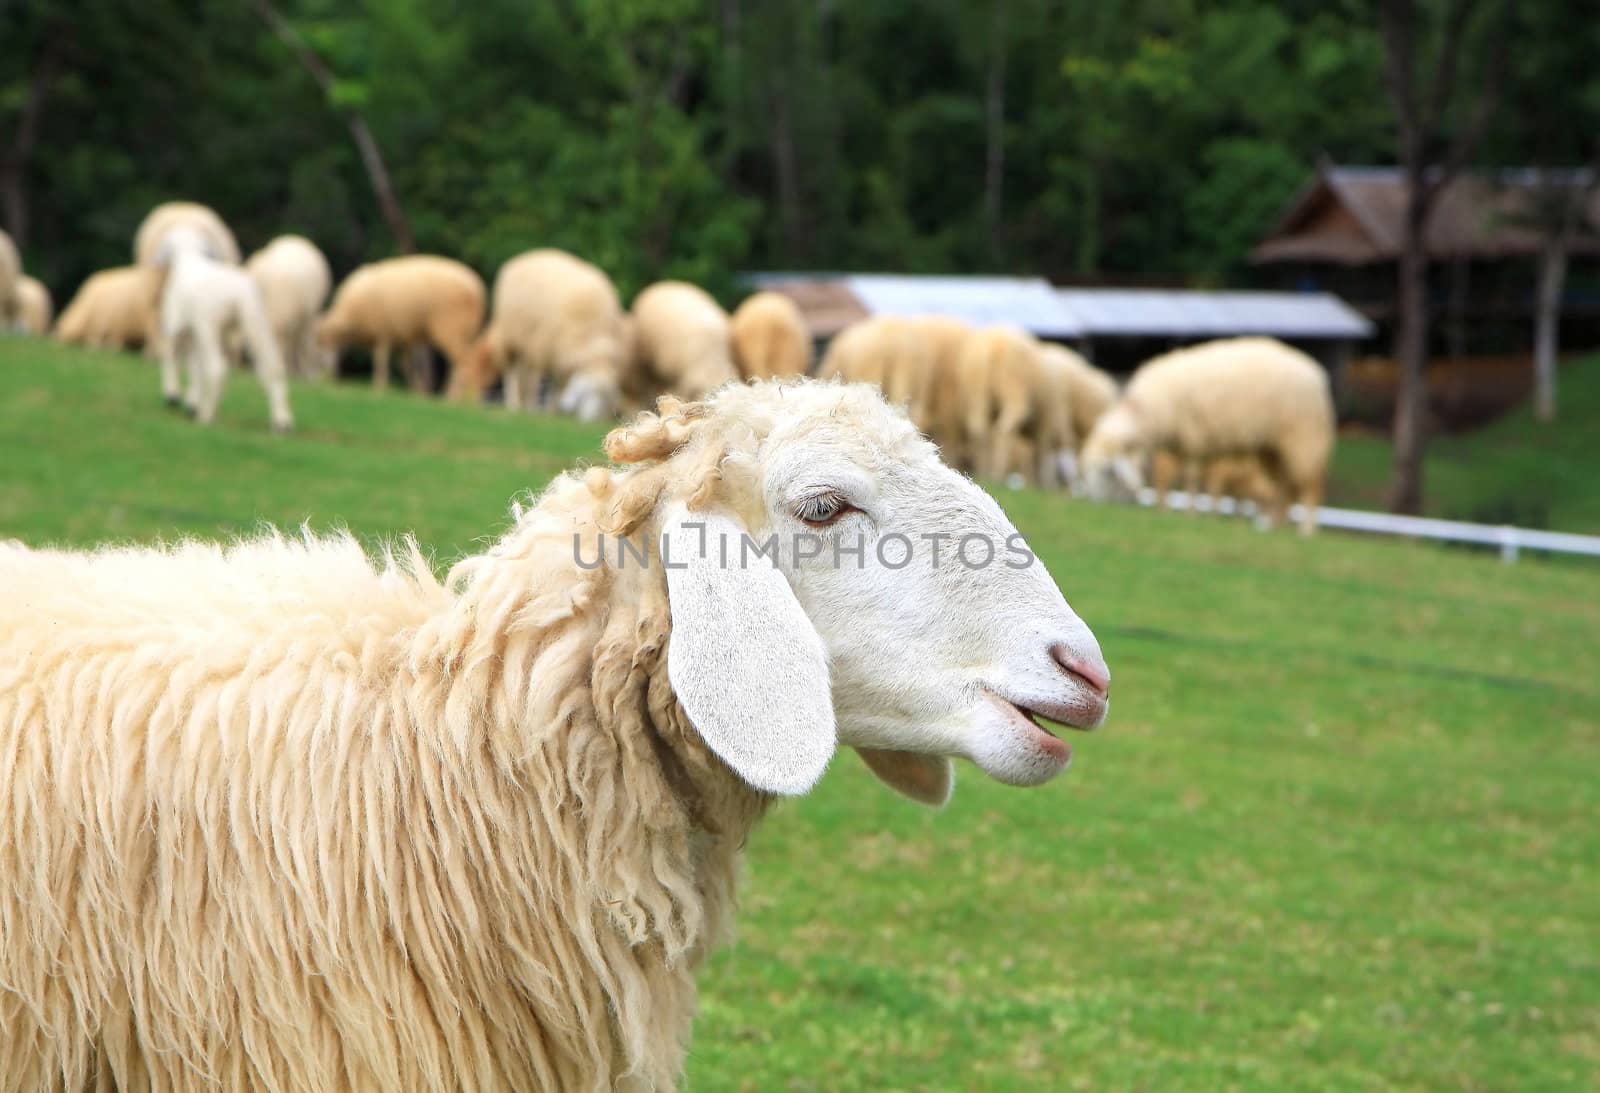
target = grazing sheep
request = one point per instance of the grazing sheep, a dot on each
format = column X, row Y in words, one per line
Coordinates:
column 1252, row 397
column 159, row 223
column 914, row 361
column 887, row 351
column 34, row 307
column 294, row 280
column 279, row 819
column 556, row 318
column 680, row 343
column 220, row 244
column 109, row 310
column 10, row 277
column 409, row 303
column 1015, row 419
column 207, row 306
column 770, row 337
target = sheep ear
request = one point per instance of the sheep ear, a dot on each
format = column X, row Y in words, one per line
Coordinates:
column 926, row 779
column 744, row 660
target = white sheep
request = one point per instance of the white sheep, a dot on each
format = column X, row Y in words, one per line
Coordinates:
column 149, row 245
column 205, row 307
column 1016, row 421
column 1239, row 397
column 294, row 281
column 407, row 304
column 770, row 337
column 680, row 342
column 110, row 309
column 1087, row 393
column 556, row 319
column 10, row 277
column 34, row 307
column 219, row 241
column 278, row 819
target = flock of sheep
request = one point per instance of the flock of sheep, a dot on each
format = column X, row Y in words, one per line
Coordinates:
column 1249, row 417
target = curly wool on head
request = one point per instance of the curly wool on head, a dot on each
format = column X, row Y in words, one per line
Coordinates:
column 286, row 820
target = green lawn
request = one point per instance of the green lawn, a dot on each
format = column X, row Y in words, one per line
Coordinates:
column 1340, row 831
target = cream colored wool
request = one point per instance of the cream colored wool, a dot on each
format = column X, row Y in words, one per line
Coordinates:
column 34, row 307
column 293, row 277
column 1011, row 406
column 914, row 361
column 680, row 343
column 1087, row 391
column 161, row 220
column 406, row 304
column 1250, row 397
column 770, row 337
column 109, row 310
column 280, row 821
column 10, row 279
column 556, row 318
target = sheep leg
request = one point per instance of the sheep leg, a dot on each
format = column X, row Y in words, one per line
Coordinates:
column 274, row 379
column 1191, row 483
column 210, row 358
column 380, row 366
column 171, row 380
column 419, row 368
column 1003, row 443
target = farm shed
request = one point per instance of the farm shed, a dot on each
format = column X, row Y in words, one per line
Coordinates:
column 832, row 301
column 1342, row 233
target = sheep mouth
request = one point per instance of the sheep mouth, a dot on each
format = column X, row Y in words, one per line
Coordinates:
column 1042, row 727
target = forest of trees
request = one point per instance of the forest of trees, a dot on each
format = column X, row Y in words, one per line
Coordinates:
column 1149, row 138
column 693, row 137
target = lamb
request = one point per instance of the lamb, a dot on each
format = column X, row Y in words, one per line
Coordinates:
column 293, row 278
column 1252, row 397
column 159, row 223
column 557, row 318
column 680, row 343
column 281, row 819
column 770, row 337
column 1015, row 419
column 409, row 303
column 110, row 310
column 10, row 278
column 914, row 362
column 34, row 307
column 205, row 305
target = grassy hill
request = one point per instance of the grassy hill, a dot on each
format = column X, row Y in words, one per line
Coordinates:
column 1339, row 832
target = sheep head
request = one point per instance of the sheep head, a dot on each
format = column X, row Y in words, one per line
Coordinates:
column 1110, row 461
column 831, row 581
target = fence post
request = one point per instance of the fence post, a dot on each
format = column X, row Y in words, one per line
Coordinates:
column 1508, row 544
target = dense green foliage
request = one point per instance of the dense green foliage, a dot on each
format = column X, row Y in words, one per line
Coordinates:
column 1337, row 834
column 694, row 138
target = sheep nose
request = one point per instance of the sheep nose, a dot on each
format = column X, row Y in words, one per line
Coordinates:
column 1091, row 672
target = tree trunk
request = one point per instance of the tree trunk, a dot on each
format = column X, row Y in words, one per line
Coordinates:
column 14, row 164
column 1547, row 325
column 994, row 129
column 366, row 144
column 787, row 168
column 1411, row 352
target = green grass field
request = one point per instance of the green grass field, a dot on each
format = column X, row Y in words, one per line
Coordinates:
column 1340, row 831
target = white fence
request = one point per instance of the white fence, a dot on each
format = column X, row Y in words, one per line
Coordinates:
column 1510, row 541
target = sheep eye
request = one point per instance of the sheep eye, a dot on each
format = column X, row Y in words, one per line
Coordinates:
column 822, row 509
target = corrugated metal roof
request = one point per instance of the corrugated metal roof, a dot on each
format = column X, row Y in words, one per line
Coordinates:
column 1173, row 314
column 1028, row 302
column 831, row 301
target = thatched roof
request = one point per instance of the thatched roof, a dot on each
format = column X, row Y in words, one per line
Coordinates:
column 1355, row 215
